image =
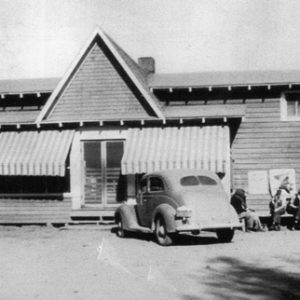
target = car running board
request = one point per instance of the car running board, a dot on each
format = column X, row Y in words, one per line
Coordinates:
column 140, row 229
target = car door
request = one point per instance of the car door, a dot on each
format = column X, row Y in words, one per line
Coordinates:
column 141, row 202
column 152, row 189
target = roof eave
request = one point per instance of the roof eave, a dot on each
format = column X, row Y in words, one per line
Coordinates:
column 213, row 86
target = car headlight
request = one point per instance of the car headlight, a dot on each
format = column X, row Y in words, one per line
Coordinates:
column 183, row 212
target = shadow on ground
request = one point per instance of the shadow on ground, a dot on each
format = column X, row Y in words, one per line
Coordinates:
column 178, row 240
column 190, row 240
column 229, row 278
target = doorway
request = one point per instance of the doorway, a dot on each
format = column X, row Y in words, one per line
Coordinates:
column 104, row 185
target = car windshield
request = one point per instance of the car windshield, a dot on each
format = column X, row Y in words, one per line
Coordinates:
column 197, row 180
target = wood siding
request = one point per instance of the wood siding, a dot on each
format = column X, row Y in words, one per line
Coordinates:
column 97, row 91
column 34, row 211
column 264, row 142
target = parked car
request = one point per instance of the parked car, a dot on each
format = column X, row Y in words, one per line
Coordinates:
column 175, row 201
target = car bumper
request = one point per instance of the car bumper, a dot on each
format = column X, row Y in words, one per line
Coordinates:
column 212, row 227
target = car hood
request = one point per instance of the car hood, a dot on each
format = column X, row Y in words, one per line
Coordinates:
column 209, row 206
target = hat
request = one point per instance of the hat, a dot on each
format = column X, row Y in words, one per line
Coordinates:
column 240, row 192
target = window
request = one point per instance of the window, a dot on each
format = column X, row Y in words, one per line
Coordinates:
column 197, row 180
column 156, row 184
column 290, row 106
column 33, row 185
column 204, row 180
column 189, row 180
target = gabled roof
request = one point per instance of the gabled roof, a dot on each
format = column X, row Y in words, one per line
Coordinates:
column 28, row 85
column 234, row 78
column 131, row 69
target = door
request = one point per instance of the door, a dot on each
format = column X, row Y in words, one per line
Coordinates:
column 103, row 183
column 152, row 189
column 143, row 199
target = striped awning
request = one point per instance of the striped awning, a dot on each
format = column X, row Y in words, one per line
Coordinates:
column 34, row 153
column 154, row 149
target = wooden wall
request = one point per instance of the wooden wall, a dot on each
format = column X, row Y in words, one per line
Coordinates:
column 264, row 142
column 34, row 211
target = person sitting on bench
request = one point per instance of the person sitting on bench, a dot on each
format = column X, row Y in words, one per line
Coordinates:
column 238, row 201
column 277, row 208
column 293, row 208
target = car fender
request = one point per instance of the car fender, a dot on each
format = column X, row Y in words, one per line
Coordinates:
column 167, row 212
column 128, row 215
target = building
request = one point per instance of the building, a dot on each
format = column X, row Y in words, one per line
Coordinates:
column 74, row 148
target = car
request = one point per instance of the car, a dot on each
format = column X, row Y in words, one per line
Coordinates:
column 176, row 201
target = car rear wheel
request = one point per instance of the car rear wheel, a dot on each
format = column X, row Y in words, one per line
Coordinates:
column 163, row 238
column 225, row 235
column 120, row 228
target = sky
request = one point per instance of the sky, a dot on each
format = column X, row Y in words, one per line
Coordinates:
column 41, row 38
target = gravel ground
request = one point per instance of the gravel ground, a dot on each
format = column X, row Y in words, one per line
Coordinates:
column 92, row 263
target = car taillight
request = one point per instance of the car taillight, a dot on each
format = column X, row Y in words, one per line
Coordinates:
column 183, row 212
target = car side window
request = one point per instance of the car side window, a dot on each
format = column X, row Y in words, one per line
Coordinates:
column 204, row 180
column 156, row 184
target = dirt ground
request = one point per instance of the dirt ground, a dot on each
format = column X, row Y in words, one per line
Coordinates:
column 92, row 263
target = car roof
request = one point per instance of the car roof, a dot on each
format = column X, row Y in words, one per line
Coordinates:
column 174, row 175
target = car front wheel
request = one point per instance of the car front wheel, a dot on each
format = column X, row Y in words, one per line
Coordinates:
column 225, row 235
column 163, row 238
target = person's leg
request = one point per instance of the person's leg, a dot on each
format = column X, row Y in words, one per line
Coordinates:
column 297, row 219
column 277, row 216
column 276, row 219
column 249, row 220
column 292, row 211
column 297, row 214
column 256, row 221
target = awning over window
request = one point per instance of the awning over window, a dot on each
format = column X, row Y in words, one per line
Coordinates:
column 34, row 153
column 153, row 149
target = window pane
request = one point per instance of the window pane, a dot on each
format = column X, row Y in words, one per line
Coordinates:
column 291, row 108
column 92, row 154
column 114, row 154
column 204, row 180
column 156, row 184
column 189, row 180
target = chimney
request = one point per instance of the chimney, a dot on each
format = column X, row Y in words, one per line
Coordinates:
column 147, row 63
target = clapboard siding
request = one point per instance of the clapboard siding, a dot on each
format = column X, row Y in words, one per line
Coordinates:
column 264, row 142
column 97, row 91
column 30, row 211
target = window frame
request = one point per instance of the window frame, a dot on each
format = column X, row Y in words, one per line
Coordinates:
column 144, row 180
column 149, row 185
column 284, row 106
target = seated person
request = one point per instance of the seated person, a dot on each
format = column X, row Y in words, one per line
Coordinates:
column 293, row 208
column 277, row 208
column 238, row 201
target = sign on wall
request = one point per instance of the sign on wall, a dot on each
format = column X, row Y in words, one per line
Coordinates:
column 258, row 182
column 279, row 177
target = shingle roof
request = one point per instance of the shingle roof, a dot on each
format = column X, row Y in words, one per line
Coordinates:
column 206, row 111
column 18, row 116
column 205, row 79
column 32, row 85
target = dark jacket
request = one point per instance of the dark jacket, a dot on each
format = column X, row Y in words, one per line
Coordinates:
column 238, row 201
